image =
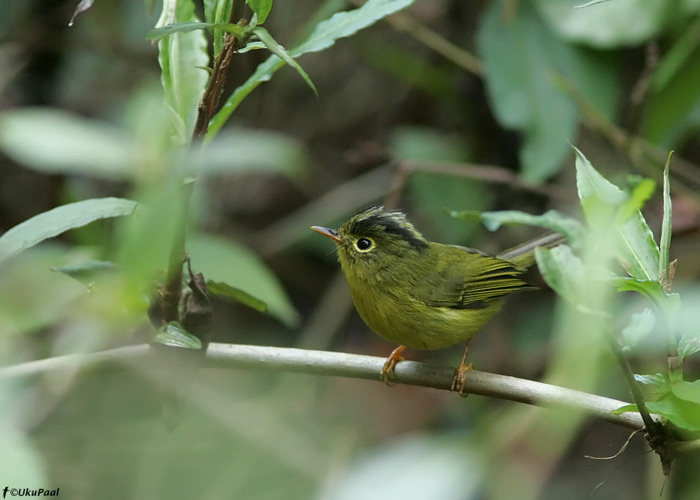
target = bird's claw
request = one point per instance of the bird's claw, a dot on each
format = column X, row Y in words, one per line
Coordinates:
column 460, row 379
column 387, row 373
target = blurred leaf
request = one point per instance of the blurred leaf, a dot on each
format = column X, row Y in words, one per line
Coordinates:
column 688, row 347
column 173, row 334
column 687, row 391
column 280, row 52
column 170, row 29
column 239, row 150
column 563, row 271
column 632, row 239
column 680, row 412
column 54, row 222
column 420, row 466
column 227, row 262
column 431, row 192
column 606, row 25
column 672, row 111
column 58, row 142
column 340, row 25
column 87, row 272
column 640, row 325
column 650, row 289
column 19, row 461
column 224, row 290
column 524, row 60
column 261, row 8
column 181, row 57
column 660, row 381
column 641, row 192
column 625, row 409
column 553, row 220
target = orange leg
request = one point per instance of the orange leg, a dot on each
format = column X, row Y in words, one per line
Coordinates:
column 461, row 374
column 388, row 369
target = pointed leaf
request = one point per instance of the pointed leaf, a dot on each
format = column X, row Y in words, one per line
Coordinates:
column 54, row 222
column 340, row 25
column 280, row 52
column 87, row 272
column 58, row 142
column 230, row 292
column 639, row 326
column 563, row 271
column 170, row 29
column 261, row 8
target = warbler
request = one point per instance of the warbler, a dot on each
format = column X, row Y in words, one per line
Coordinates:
column 421, row 294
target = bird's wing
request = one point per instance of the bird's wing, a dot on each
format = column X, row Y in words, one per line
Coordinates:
column 472, row 280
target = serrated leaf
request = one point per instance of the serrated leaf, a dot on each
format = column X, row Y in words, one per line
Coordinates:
column 181, row 56
column 639, row 326
column 58, row 142
column 170, row 29
column 340, row 25
column 261, row 8
column 233, row 293
column 228, row 262
column 281, row 52
column 174, row 335
column 632, row 239
column 60, row 219
column 552, row 220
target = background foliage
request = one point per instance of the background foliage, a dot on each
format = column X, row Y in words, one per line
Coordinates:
column 453, row 105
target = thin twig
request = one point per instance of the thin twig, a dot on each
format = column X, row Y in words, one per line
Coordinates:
column 231, row 356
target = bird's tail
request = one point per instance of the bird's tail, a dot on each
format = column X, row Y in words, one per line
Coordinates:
column 523, row 255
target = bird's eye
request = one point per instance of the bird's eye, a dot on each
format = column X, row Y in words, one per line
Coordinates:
column 364, row 244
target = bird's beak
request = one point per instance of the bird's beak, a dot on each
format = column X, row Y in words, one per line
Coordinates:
column 327, row 231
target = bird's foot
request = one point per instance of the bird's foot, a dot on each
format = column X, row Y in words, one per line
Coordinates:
column 387, row 372
column 460, row 379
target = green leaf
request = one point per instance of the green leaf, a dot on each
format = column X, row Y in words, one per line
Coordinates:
column 261, row 8
column 632, row 239
column 280, row 52
column 239, row 150
column 225, row 290
column 181, row 57
column 688, row 347
column 640, row 325
column 659, row 380
column 216, row 12
column 687, row 391
column 625, row 409
column 563, row 271
column 680, row 412
column 524, row 64
column 173, row 334
column 58, row 142
column 170, row 29
column 56, row 221
column 606, row 25
column 340, row 25
column 87, row 272
column 225, row 261
column 666, row 229
column 553, row 220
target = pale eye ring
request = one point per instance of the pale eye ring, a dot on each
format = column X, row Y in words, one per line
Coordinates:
column 364, row 244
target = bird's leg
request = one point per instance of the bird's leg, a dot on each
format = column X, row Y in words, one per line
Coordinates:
column 388, row 369
column 461, row 373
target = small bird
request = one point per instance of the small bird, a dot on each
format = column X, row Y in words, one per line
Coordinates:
column 421, row 294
